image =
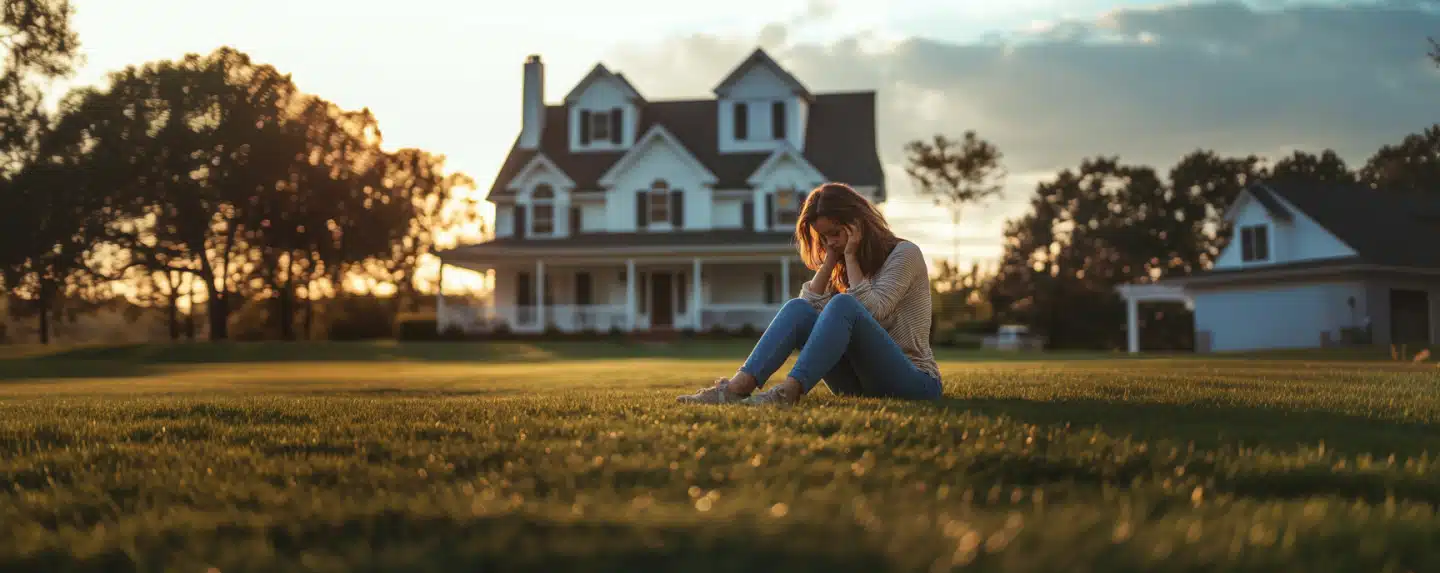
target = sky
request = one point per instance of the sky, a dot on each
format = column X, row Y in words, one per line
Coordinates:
column 1049, row 81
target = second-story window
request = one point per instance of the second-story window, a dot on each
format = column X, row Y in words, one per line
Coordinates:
column 787, row 206
column 542, row 210
column 599, row 126
column 777, row 120
column 742, row 121
column 659, row 202
column 1254, row 243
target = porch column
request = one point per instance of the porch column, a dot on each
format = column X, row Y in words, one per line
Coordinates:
column 630, row 294
column 1132, row 323
column 785, row 293
column 540, row 293
column 695, row 294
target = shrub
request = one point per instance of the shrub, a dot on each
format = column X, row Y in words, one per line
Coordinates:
column 420, row 328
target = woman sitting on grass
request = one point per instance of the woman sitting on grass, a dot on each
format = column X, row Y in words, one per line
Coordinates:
column 862, row 324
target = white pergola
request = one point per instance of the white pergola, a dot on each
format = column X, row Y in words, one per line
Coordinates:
column 1134, row 294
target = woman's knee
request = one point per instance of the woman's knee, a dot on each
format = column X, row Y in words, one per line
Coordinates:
column 798, row 305
column 846, row 303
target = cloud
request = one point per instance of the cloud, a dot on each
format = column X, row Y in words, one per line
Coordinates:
column 1147, row 84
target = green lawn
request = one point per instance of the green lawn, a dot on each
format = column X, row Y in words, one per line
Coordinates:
column 574, row 457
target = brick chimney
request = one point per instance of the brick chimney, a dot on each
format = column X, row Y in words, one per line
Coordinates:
column 532, row 118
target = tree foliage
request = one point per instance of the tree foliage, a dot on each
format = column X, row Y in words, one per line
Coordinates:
column 214, row 172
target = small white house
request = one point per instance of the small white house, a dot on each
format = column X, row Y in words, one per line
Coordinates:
column 1311, row 266
column 618, row 212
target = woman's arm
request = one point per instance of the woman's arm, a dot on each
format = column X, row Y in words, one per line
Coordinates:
column 881, row 293
column 816, row 291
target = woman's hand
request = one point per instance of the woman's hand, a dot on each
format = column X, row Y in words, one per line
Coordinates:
column 852, row 239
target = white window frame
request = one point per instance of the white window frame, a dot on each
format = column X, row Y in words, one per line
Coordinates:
column 546, row 200
column 1269, row 243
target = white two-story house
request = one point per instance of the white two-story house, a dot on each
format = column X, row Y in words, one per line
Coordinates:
column 618, row 212
column 1310, row 266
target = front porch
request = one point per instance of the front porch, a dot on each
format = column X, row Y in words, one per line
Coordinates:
column 627, row 295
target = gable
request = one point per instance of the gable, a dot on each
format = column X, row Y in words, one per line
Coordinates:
column 659, row 146
column 1292, row 234
column 540, row 169
column 786, row 168
column 759, row 75
column 612, row 85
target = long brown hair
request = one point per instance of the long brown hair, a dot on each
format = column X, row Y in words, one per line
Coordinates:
column 843, row 205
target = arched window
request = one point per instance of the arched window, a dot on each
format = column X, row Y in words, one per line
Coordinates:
column 542, row 210
column 659, row 201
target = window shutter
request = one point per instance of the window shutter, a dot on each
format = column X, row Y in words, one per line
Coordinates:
column 1262, row 243
column 742, row 121
column 519, row 229
column 617, row 123
column 584, row 127
column 576, row 216
column 777, row 119
column 677, row 209
column 770, row 211
column 747, row 215
column 682, row 291
column 769, row 288
column 548, row 292
column 524, row 292
column 642, row 211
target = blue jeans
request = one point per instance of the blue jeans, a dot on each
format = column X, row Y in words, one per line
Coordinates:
column 844, row 346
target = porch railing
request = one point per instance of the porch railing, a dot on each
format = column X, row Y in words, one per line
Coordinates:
column 471, row 317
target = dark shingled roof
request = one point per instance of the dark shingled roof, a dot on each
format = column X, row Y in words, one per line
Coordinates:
column 678, row 239
column 1384, row 227
column 839, row 141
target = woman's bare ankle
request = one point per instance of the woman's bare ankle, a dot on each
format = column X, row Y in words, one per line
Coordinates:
column 742, row 383
column 792, row 388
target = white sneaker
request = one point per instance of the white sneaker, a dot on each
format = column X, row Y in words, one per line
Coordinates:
column 772, row 397
column 718, row 394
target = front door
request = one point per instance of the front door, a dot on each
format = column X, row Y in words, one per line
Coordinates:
column 662, row 310
column 1409, row 317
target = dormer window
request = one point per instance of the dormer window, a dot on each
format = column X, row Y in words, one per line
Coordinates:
column 1254, row 243
column 542, row 210
column 742, row 121
column 601, row 126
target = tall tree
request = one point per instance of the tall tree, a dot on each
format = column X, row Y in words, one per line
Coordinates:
column 39, row 254
column 422, row 201
column 1413, row 165
column 1304, row 167
column 1205, row 184
column 955, row 173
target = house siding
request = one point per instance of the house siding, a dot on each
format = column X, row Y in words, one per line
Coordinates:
column 1295, row 315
